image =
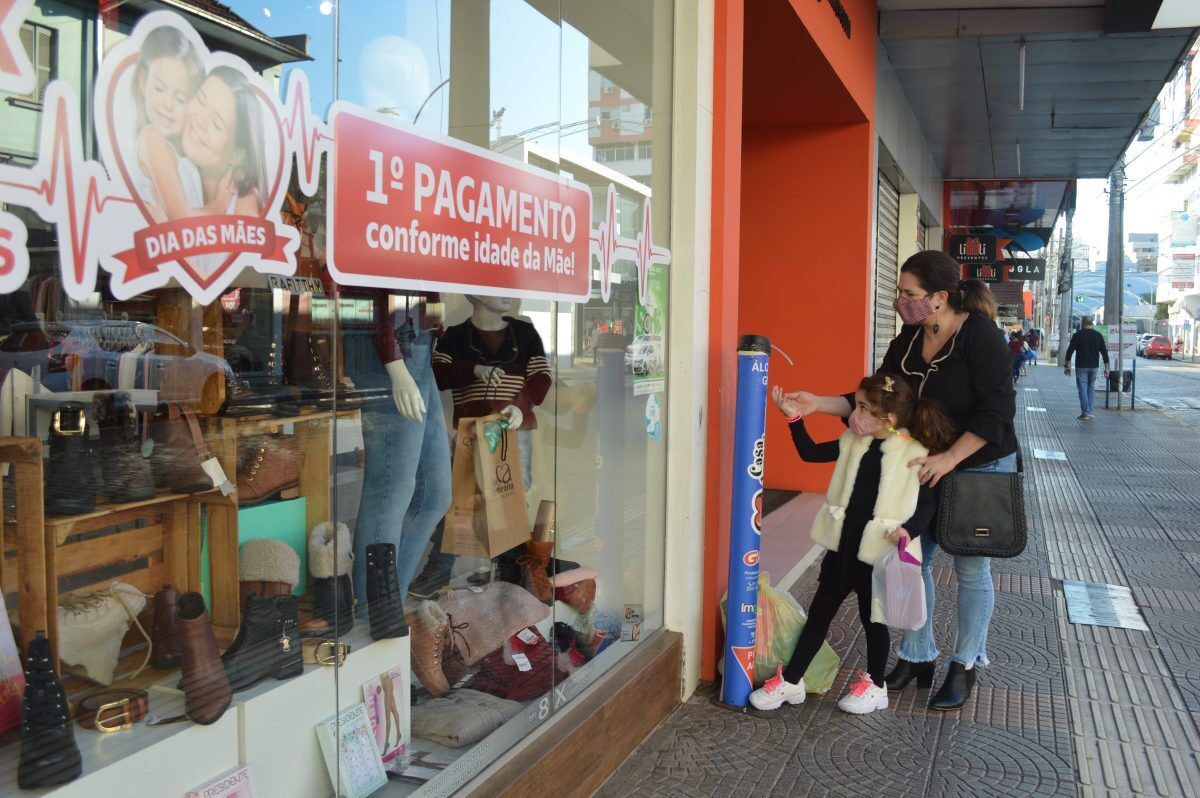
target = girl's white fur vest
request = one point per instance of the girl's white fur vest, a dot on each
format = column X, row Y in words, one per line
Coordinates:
column 895, row 504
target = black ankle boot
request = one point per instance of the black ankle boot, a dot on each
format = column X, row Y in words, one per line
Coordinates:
column 906, row 671
column 384, row 604
column 333, row 600
column 267, row 644
column 49, row 755
column 956, row 689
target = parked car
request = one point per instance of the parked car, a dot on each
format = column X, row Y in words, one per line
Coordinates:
column 86, row 355
column 644, row 355
column 1141, row 343
column 1159, row 346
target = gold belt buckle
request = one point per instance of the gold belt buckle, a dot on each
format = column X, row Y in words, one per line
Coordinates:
column 58, row 427
column 126, row 723
column 330, row 652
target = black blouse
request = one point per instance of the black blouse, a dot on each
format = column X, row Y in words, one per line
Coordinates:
column 971, row 378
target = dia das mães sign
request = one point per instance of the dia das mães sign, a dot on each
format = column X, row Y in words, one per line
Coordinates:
column 973, row 248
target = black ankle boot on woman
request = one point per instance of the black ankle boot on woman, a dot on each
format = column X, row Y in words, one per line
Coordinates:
column 906, row 671
column 956, row 689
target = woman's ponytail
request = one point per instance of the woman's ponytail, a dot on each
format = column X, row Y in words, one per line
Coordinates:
column 932, row 427
column 974, row 296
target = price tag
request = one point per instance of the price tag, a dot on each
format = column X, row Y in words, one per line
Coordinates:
column 522, row 662
column 212, row 467
column 527, row 636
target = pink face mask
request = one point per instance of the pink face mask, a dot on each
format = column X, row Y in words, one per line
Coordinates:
column 862, row 423
column 913, row 311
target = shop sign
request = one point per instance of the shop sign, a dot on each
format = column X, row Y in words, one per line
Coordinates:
column 169, row 202
column 989, row 273
column 1032, row 269
column 1183, row 229
column 973, row 248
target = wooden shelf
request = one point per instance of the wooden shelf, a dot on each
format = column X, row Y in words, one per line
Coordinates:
column 257, row 425
column 63, row 524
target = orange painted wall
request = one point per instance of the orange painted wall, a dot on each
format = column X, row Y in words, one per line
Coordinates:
column 852, row 59
column 805, row 271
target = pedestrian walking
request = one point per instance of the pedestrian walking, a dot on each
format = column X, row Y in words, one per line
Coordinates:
column 1089, row 348
column 872, row 488
column 950, row 350
column 1033, row 340
column 1017, row 346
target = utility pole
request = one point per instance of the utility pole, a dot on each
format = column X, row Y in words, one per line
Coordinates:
column 1066, row 282
column 1114, row 277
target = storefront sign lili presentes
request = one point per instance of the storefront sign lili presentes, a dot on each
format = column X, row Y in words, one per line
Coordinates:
column 190, row 187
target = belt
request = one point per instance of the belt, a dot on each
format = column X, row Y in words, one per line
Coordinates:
column 111, row 710
column 319, row 651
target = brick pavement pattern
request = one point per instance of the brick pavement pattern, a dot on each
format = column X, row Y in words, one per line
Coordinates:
column 1063, row 709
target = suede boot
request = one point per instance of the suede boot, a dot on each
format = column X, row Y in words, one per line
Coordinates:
column 164, row 633
column 533, row 564
column 267, row 644
column 330, row 559
column 273, row 472
column 49, row 755
column 205, row 685
column 429, row 630
column 384, row 604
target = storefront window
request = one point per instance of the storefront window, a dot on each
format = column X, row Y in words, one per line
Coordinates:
column 333, row 353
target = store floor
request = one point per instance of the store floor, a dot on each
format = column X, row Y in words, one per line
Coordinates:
column 1064, row 709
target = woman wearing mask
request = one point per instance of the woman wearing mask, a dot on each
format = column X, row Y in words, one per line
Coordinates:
column 951, row 351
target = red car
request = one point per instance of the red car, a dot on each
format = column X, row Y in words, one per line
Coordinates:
column 1159, row 346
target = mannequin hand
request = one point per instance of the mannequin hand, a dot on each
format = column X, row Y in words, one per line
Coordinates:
column 405, row 392
column 515, row 417
column 490, row 375
column 787, row 405
column 934, row 467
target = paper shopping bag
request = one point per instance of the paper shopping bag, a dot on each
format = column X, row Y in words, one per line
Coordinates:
column 465, row 529
column 502, row 483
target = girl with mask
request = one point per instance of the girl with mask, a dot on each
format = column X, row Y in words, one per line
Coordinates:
column 874, row 500
column 950, row 350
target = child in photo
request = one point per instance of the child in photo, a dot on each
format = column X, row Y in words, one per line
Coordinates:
column 874, row 497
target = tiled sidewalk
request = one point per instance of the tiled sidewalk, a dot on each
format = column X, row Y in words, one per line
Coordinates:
column 1063, row 709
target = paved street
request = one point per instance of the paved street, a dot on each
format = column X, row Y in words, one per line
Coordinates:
column 1064, row 709
column 1172, row 386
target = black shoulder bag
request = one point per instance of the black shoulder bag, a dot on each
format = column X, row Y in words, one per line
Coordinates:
column 982, row 514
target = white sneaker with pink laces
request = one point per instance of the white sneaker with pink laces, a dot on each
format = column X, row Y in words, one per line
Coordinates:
column 864, row 696
column 776, row 692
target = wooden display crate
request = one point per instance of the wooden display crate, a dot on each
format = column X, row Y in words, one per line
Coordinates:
column 22, row 543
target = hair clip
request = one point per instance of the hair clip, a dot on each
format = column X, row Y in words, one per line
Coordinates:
column 888, row 384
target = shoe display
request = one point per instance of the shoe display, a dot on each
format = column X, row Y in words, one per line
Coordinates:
column 429, row 629
column 164, row 633
column 267, row 568
column 906, row 671
column 864, row 696
column 205, row 685
column 49, row 755
column 956, row 689
column 385, row 606
column 776, row 692
column 91, row 627
column 267, row 642
column 533, row 569
column 329, row 560
column 273, row 472
column 576, row 587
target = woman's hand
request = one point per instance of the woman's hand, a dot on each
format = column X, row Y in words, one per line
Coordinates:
column 800, row 403
column 934, row 467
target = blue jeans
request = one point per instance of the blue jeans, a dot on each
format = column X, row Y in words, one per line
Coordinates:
column 1085, row 381
column 976, row 597
column 406, row 481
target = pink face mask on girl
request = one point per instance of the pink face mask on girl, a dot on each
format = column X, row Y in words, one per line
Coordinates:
column 913, row 311
column 862, row 423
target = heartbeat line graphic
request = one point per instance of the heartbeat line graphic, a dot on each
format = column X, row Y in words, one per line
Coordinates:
column 609, row 248
column 66, row 190
column 305, row 133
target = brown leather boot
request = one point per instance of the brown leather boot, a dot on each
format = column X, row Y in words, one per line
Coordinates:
column 164, row 634
column 273, row 472
column 428, row 630
column 533, row 569
column 264, row 589
column 205, row 685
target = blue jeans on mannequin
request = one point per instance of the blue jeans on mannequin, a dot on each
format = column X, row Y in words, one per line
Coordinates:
column 406, row 481
column 976, row 598
column 1085, row 381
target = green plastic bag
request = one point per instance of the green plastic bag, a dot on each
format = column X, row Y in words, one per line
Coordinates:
column 780, row 621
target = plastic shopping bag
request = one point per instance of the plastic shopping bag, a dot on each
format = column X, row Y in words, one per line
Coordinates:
column 779, row 623
column 897, row 590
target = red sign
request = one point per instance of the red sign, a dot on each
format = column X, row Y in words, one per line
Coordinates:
column 414, row 211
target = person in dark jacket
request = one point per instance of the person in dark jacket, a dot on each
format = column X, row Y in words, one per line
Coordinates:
column 950, row 350
column 1089, row 348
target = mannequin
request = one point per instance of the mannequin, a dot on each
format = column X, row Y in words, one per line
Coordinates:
column 491, row 363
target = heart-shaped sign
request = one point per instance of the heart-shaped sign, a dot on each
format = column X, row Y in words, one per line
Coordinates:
column 197, row 140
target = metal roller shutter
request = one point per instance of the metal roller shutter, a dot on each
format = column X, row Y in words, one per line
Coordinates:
column 887, row 265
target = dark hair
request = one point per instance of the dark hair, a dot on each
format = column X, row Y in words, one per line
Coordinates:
column 252, row 174
column 924, row 418
column 937, row 271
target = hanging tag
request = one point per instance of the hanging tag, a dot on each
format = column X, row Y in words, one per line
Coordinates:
column 212, row 467
column 527, row 636
column 522, row 662
column 147, row 447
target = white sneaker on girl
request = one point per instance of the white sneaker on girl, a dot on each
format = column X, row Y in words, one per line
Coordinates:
column 863, row 697
column 776, row 692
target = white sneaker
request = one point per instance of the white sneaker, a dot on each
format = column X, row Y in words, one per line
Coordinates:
column 864, row 696
column 776, row 692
